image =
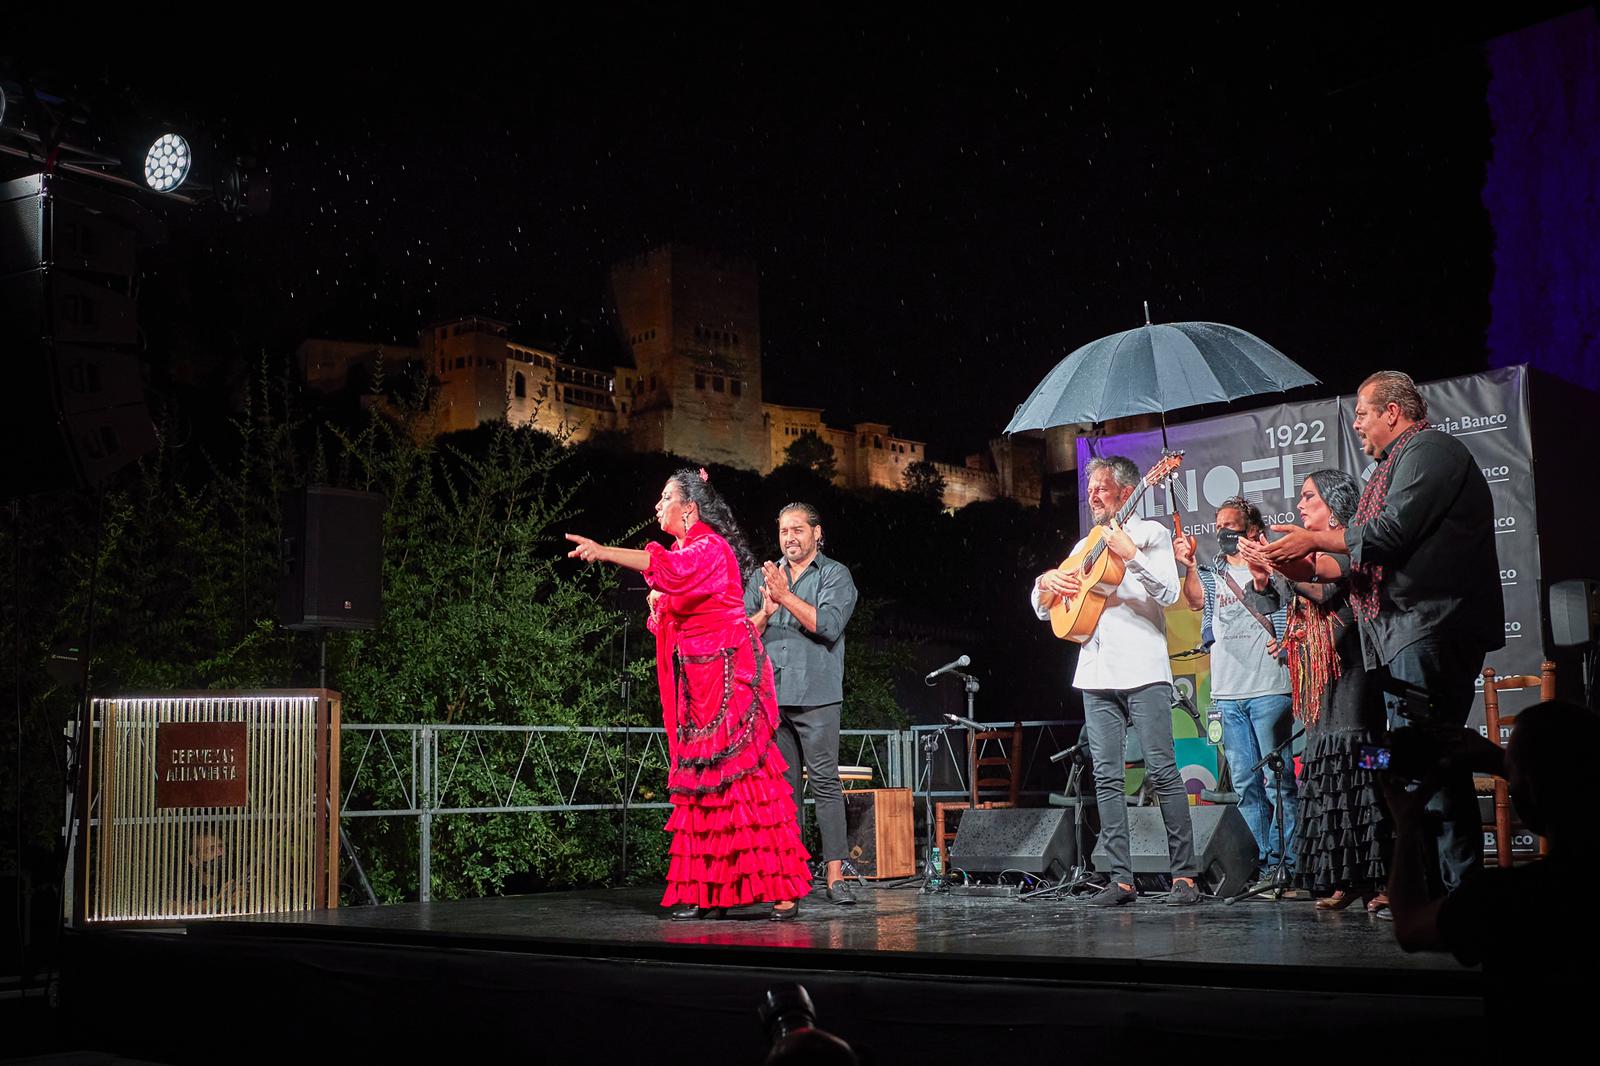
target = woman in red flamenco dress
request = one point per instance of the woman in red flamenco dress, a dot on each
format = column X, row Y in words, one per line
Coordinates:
column 735, row 839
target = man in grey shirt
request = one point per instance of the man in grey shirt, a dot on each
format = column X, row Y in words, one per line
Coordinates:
column 800, row 607
column 1249, row 684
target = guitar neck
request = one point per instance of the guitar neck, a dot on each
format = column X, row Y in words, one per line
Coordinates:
column 1133, row 502
column 1122, row 519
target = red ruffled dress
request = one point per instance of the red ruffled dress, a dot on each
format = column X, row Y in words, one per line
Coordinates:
column 735, row 839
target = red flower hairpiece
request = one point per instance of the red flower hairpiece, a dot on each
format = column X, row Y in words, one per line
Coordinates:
column 703, row 475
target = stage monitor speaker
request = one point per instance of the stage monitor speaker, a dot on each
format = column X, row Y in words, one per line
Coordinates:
column 1034, row 840
column 1574, row 612
column 332, row 555
column 880, row 835
column 1224, row 848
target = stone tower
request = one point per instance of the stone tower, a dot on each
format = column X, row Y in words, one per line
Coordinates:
column 692, row 320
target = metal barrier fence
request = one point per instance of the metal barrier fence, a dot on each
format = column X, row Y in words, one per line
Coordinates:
column 433, row 771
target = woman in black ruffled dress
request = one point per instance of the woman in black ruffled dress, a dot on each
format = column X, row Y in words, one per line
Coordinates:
column 1344, row 831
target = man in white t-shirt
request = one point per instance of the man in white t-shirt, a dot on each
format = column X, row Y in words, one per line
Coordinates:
column 1126, row 679
column 1249, row 683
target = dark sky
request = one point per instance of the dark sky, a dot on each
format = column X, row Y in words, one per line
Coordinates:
column 940, row 212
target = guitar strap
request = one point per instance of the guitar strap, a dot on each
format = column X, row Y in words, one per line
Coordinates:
column 1266, row 623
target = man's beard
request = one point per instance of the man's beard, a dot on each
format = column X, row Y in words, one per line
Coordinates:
column 1102, row 518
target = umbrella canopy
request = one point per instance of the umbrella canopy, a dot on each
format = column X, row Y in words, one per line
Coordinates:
column 1157, row 368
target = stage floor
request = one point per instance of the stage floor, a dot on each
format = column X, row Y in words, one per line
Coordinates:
column 605, row 976
column 914, row 931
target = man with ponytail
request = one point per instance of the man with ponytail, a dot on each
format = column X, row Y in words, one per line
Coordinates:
column 800, row 605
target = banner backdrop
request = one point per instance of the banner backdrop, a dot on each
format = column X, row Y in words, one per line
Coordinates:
column 1265, row 455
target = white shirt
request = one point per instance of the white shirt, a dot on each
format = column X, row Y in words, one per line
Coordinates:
column 1129, row 647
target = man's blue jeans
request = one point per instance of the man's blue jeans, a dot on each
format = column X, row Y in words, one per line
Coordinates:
column 1250, row 729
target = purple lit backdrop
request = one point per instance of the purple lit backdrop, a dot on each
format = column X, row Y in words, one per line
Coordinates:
column 1542, row 191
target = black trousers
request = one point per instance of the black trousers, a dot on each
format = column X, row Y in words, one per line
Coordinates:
column 809, row 737
column 1446, row 672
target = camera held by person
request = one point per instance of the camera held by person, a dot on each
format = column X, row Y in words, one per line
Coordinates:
column 791, row 1023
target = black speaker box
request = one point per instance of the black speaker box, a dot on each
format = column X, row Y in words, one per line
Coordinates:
column 68, row 319
column 1034, row 840
column 332, row 554
column 1574, row 612
column 1224, row 848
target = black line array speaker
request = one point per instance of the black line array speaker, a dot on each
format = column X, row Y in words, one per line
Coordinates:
column 1574, row 612
column 1034, row 840
column 332, row 555
column 1224, row 848
column 70, row 330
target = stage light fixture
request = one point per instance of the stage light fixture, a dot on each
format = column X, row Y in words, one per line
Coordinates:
column 12, row 104
column 167, row 163
column 244, row 189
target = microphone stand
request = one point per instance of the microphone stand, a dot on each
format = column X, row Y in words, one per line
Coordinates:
column 625, row 690
column 1278, row 883
column 972, row 725
column 930, row 748
column 1078, row 876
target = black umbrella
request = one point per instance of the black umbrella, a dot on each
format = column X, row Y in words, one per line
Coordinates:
column 1157, row 368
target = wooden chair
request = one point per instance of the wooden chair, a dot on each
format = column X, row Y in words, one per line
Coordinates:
column 989, row 774
column 995, row 774
column 1495, row 723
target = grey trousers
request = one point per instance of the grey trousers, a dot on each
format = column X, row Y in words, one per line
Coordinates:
column 809, row 736
column 1106, row 718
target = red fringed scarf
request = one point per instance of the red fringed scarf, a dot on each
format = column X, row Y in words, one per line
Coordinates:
column 1313, row 661
column 1367, row 578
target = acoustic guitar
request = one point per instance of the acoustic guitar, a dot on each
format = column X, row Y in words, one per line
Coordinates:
column 1100, row 570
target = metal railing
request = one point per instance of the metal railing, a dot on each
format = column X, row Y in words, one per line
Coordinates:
column 432, row 771
column 946, row 774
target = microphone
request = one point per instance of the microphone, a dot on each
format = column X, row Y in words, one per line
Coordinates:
column 949, row 666
column 956, row 719
column 1070, row 752
column 1186, row 701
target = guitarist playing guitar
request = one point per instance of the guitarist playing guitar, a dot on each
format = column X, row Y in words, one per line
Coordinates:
column 1123, row 669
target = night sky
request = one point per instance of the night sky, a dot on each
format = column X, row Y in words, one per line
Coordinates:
column 940, row 212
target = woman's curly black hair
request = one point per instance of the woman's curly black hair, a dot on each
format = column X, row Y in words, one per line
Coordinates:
column 715, row 512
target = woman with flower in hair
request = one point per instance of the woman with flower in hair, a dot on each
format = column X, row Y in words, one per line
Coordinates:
column 735, row 838
column 1344, row 827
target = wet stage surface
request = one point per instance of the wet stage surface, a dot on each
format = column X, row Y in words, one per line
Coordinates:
column 906, row 931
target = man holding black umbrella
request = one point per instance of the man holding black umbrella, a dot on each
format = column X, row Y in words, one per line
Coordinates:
column 1126, row 680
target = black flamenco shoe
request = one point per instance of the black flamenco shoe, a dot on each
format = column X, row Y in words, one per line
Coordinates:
column 688, row 912
column 786, row 914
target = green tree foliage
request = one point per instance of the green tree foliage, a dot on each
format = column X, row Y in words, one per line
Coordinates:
column 922, row 478
column 810, row 452
column 485, row 621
